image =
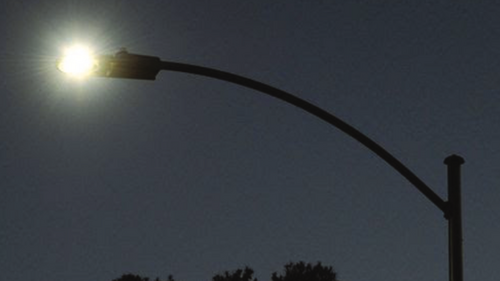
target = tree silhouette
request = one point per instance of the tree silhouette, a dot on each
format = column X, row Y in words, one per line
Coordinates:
column 306, row 272
column 299, row 271
column 237, row 275
column 132, row 277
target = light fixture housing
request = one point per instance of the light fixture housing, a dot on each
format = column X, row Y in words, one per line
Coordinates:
column 80, row 62
column 126, row 65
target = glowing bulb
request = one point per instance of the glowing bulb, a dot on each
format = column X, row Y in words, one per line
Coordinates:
column 77, row 61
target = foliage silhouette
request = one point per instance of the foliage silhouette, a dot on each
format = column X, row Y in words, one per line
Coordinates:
column 132, row 277
column 299, row 271
column 306, row 272
column 237, row 275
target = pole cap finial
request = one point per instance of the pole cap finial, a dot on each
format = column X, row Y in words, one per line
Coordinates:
column 454, row 160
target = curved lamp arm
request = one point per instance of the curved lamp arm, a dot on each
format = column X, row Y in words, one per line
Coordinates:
column 316, row 111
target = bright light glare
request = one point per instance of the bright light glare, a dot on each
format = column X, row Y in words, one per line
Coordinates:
column 77, row 61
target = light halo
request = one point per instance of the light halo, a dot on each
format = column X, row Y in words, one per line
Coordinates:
column 78, row 60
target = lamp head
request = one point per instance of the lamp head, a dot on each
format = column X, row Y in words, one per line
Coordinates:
column 80, row 62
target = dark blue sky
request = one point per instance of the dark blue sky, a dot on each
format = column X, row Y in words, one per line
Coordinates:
column 191, row 176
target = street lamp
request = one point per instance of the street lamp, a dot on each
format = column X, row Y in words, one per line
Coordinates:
column 79, row 61
column 133, row 66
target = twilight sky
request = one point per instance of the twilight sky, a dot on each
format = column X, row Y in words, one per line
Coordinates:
column 192, row 176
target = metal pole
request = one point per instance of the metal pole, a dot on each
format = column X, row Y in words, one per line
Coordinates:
column 454, row 216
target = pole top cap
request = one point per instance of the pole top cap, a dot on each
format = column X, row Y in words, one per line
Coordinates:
column 454, row 160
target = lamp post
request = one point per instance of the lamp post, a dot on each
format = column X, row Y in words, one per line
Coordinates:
column 133, row 66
